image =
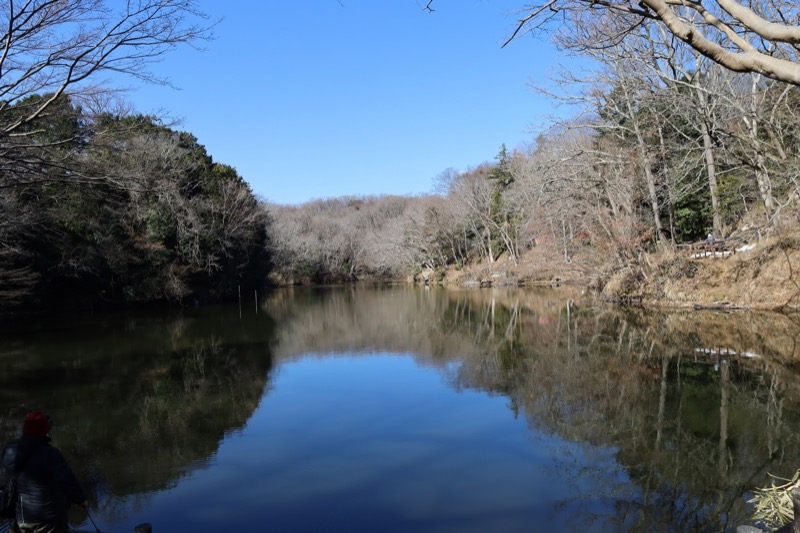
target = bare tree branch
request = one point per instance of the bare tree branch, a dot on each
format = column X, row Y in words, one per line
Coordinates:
column 761, row 37
column 53, row 46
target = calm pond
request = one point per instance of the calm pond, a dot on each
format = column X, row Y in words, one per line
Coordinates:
column 407, row 409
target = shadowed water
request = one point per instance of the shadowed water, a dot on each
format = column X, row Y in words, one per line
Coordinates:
column 406, row 409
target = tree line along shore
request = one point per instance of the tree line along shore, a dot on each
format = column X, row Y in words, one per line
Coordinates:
column 103, row 206
column 137, row 212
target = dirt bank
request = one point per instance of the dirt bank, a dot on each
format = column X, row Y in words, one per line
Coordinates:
column 764, row 275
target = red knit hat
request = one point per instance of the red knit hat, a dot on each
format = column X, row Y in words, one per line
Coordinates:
column 37, row 424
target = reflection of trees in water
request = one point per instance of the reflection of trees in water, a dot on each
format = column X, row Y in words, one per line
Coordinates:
column 143, row 402
column 635, row 380
column 361, row 319
column 187, row 405
column 138, row 404
column 695, row 427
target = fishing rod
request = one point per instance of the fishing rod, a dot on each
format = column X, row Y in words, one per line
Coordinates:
column 96, row 529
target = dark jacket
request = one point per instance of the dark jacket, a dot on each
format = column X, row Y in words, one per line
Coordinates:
column 46, row 484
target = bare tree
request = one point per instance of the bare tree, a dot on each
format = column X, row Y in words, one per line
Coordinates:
column 344, row 238
column 761, row 36
column 57, row 50
column 61, row 46
column 473, row 191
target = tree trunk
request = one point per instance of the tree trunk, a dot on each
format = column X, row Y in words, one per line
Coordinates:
column 764, row 183
column 711, row 170
column 762, row 175
column 489, row 244
column 724, row 407
column 648, row 171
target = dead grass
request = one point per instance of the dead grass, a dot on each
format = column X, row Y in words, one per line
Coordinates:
column 773, row 504
column 766, row 277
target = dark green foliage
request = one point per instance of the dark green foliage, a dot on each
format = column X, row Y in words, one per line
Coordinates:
column 123, row 209
column 501, row 174
column 737, row 194
column 501, row 178
column 693, row 216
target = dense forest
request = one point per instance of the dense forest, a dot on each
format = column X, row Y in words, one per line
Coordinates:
column 121, row 209
column 101, row 205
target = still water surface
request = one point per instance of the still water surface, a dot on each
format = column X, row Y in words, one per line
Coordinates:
column 404, row 409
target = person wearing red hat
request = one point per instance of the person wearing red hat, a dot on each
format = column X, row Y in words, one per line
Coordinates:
column 46, row 485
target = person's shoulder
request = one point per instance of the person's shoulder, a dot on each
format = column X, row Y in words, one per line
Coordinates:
column 35, row 446
column 48, row 450
column 11, row 445
column 9, row 453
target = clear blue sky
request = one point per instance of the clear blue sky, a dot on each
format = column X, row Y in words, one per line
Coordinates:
column 327, row 98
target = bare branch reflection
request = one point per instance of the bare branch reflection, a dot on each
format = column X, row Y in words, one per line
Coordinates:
column 694, row 402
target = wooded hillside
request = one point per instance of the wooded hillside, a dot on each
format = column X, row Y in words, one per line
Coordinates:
column 101, row 205
column 665, row 147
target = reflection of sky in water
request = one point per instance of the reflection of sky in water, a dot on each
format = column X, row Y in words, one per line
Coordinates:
column 380, row 444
